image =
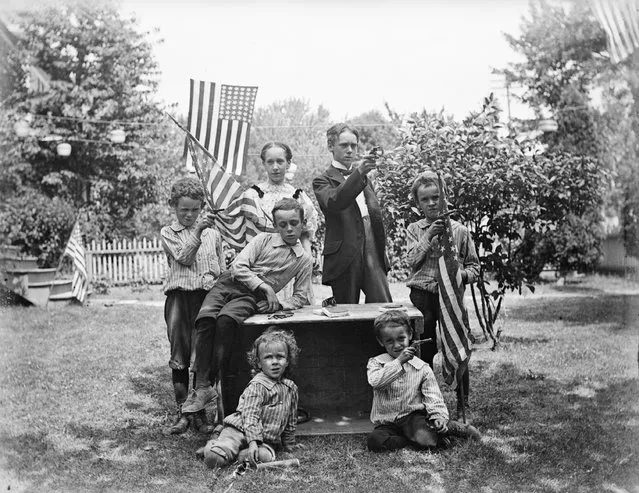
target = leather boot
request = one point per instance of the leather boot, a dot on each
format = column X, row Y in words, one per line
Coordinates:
column 201, row 422
column 181, row 423
column 461, row 430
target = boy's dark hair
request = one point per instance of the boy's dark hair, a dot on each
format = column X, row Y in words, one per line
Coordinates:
column 333, row 133
column 426, row 179
column 274, row 334
column 392, row 318
column 287, row 150
column 288, row 204
column 186, row 187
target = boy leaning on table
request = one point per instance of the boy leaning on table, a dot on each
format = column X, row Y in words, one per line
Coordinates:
column 259, row 271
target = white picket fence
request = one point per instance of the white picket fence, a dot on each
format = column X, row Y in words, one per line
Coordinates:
column 127, row 261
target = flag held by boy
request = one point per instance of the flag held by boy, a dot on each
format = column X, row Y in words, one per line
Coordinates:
column 453, row 328
column 220, row 120
column 236, row 215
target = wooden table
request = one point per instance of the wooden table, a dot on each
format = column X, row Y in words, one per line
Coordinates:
column 331, row 373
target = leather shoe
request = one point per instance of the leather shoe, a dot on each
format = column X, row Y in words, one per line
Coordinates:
column 463, row 431
column 198, row 399
column 180, row 425
column 201, row 422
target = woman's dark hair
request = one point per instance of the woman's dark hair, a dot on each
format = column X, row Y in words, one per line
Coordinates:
column 287, row 150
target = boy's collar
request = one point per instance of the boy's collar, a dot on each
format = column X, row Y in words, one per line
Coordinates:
column 415, row 362
column 298, row 249
column 177, row 226
column 268, row 382
column 423, row 223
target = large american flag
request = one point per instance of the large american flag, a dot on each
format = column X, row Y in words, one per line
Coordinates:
column 75, row 250
column 220, row 119
column 453, row 328
column 236, row 214
column 620, row 20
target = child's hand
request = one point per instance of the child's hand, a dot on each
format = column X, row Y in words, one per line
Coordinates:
column 407, row 354
column 271, row 303
column 253, row 453
column 206, row 221
column 435, row 229
column 440, row 424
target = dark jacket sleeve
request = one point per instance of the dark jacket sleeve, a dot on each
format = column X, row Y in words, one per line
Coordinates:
column 335, row 199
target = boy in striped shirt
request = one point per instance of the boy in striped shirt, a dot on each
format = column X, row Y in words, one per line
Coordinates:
column 196, row 260
column 266, row 415
column 408, row 407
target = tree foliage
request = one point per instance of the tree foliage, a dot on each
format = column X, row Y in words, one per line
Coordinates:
column 104, row 77
column 512, row 202
column 565, row 64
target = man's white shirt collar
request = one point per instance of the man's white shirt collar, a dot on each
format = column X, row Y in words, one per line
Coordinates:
column 338, row 165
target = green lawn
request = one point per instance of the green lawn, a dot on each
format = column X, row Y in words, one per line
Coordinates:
column 85, row 394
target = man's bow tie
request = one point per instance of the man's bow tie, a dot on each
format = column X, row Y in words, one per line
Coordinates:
column 345, row 172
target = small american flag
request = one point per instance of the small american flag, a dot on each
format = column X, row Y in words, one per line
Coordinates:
column 620, row 20
column 75, row 250
column 452, row 331
column 236, row 215
column 220, row 119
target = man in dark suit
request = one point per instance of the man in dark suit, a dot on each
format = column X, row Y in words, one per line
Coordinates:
column 354, row 247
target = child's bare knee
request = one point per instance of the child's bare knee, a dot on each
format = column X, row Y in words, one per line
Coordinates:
column 216, row 457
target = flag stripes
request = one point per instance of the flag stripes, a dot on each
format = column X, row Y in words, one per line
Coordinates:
column 75, row 250
column 220, row 119
column 238, row 227
column 620, row 20
column 452, row 331
column 236, row 218
column 220, row 188
column 454, row 344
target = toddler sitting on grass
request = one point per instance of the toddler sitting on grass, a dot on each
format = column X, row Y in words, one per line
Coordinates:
column 266, row 415
column 408, row 407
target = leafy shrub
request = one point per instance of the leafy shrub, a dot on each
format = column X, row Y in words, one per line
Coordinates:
column 39, row 224
column 149, row 220
column 524, row 209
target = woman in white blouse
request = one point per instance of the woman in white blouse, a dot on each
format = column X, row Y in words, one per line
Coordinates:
column 276, row 158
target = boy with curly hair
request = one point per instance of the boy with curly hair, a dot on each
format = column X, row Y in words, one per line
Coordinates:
column 266, row 415
column 196, row 260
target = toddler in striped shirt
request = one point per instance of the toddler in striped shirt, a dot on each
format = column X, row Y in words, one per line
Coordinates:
column 266, row 415
column 408, row 407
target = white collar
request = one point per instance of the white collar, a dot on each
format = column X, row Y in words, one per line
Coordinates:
column 298, row 249
column 338, row 165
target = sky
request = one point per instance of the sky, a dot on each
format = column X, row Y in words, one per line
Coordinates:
column 350, row 56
